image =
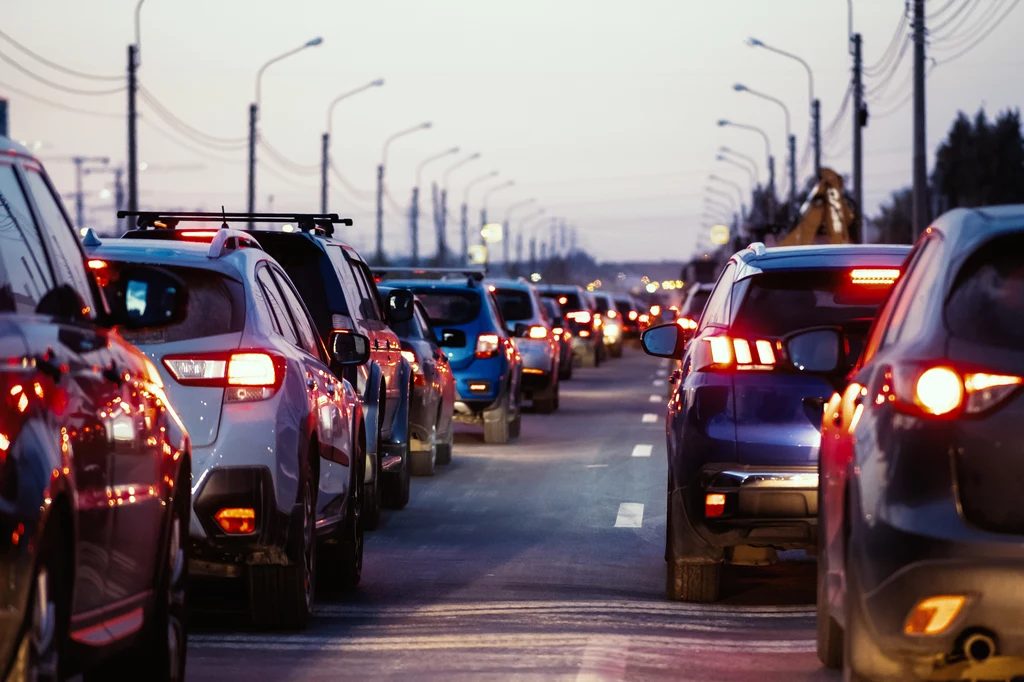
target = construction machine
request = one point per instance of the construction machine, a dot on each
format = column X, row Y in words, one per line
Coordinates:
column 826, row 217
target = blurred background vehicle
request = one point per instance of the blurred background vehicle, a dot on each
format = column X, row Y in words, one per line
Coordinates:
column 611, row 322
column 921, row 462
column 277, row 438
column 433, row 393
column 482, row 354
column 587, row 347
column 94, row 461
column 743, row 424
column 562, row 335
column 527, row 320
column 629, row 315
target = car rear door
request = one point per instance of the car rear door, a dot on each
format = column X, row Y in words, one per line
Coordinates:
column 387, row 350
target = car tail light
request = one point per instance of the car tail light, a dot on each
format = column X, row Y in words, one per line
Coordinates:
column 247, row 375
column 538, row 332
column 633, row 315
column 714, row 505
column 237, row 520
column 487, row 346
column 686, row 323
column 579, row 316
column 418, row 377
column 584, row 333
column 557, row 331
column 197, row 235
column 597, row 322
column 612, row 314
column 941, row 390
column 879, row 276
column 727, row 353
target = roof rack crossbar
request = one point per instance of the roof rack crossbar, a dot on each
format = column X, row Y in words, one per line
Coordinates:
column 306, row 222
column 475, row 275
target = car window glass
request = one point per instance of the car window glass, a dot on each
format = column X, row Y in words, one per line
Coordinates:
column 287, row 328
column 514, row 304
column 68, row 257
column 716, row 311
column 365, row 280
column 919, row 297
column 422, row 321
column 914, row 277
column 21, row 249
column 348, row 281
column 303, row 323
column 986, row 303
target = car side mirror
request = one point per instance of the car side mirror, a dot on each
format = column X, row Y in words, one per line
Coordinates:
column 521, row 330
column 815, row 350
column 147, row 297
column 663, row 341
column 400, row 306
column 349, row 348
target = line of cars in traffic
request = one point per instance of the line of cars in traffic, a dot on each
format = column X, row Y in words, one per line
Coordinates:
column 195, row 403
column 862, row 403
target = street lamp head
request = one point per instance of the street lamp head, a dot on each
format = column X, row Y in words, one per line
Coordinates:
column 426, row 125
column 314, row 42
column 724, row 149
column 739, row 87
column 754, row 42
column 453, row 150
column 377, row 83
column 722, row 122
column 719, row 158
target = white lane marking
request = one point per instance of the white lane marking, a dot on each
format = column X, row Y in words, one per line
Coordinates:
column 649, row 418
column 659, row 382
column 631, row 515
column 600, row 663
column 597, row 466
column 662, row 372
column 654, row 399
column 642, row 450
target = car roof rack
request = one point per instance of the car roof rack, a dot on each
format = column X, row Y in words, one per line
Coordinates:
column 474, row 277
column 309, row 223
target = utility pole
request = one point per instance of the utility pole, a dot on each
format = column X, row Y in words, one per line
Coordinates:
column 4, row 125
column 465, row 233
column 505, row 238
column 859, row 121
column 252, row 158
column 325, row 145
column 816, row 117
column 771, row 191
column 441, row 225
column 920, row 153
column 792, row 178
column 380, row 214
column 519, row 253
column 414, row 226
column 133, row 142
column 533, row 255
column 80, row 170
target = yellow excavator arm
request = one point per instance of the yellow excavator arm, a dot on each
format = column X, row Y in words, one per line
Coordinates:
column 825, row 218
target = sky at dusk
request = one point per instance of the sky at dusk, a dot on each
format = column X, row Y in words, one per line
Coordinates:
column 603, row 111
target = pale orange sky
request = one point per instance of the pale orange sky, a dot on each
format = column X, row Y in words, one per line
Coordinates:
column 604, row 111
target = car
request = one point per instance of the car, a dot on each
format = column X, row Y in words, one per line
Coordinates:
column 94, row 461
column 629, row 314
column 694, row 304
column 278, row 441
column 483, row 355
column 580, row 315
column 742, row 426
column 433, row 397
column 611, row 323
column 338, row 288
column 922, row 532
column 520, row 305
column 562, row 335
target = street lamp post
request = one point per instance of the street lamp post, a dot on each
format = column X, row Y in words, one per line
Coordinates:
column 483, row 214
column 414, row 208
column 519, row 237
column 465, row 211
column 134, row 61
column 790, row 138
column 254, row 113
column 442, row 224
column 325, row 147
column 742, row 166
column 380, row 185
column 506, row 236
column 813, row 103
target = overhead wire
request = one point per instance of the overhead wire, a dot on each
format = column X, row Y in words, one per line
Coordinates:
column 175, row 121
column 982, row 36
column 59, row 86
column 890, row 50
column 58, row 105
column 935, row 31
column 58, row 67
column 962, row 32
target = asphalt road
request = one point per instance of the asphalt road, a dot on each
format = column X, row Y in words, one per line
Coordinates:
column 538, row 560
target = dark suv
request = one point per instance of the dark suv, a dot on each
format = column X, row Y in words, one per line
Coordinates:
column 94, row 462
column 743, row 423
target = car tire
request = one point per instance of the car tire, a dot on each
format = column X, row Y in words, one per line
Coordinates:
column 395, row 485
column 830, row 634
column 685, row 581
column 340, row 562
column 497, row 429
column 565, row 372
column 38, row 654
column 546, row 402
column 423, row 462
column 444, row 447
column 281, row 597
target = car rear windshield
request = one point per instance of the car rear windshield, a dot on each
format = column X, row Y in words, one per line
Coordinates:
column 603, row 304
column 986, row 305
column 780, row 303
column 696, row 303
column 514, row 304
column 449, row 307
column 571, row 299
column 216, row 305
column 623, row 308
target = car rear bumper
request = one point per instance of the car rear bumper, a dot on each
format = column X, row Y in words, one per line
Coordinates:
column 764, row 506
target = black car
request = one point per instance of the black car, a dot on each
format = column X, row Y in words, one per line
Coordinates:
column 743, row 422
column 433, row 394
column 922, row 467
column 94, row 462
column 562, row 335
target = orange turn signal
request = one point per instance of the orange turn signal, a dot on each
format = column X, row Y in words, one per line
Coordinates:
column 237, row 520
column 933, row 615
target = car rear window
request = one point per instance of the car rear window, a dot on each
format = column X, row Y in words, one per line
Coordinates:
column 623, row 308
column 603, row 304
column 780, row 303
column 696, row 304
column 571, row 302
column 986, row 304
column 514, row 304
column 449, row 307
column 216, row 305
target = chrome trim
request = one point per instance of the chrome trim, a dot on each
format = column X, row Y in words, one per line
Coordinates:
column 793, row 479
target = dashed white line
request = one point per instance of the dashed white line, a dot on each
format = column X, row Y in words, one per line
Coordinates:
column 654, row 399
column 642, row 450
column 597, row 466
column 662, row 372
column 649, row 418
column 631, row 515
column 659, row 382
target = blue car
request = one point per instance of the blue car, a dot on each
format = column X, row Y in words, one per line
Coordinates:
column 743, row 423
column 482, row 353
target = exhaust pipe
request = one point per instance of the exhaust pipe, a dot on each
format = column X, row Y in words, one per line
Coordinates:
column 979, row 647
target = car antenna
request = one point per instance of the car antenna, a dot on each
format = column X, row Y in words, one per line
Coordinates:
column 224, row 214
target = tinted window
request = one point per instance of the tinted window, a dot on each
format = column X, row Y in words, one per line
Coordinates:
column 986, row 305
column 695, row 304
column 450, row 307
column 347, row 277
column 552, row 308
column 21, row 250
column 307, row 334
column 571, row 302
column 277, row 307
column 624, row 308
column 603, row 304
column 68, row 257
column 409, row 329
column 779, row 303
column 716, row 312
column 514, row 304
column 909, row 317
column 423, row 323
column 370, row 303
column 216, row 305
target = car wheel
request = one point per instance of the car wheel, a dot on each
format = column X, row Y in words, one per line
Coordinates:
column 558, row 401
column 282, row 596
column 444, row 447
column 597, row 357
column 341, row 561
column 424, row 461
column 546, row 402
column 830, row 635
column 496, row 423
column 859, row 649
column 566, row 373
column 38, row 654
column 686, row 581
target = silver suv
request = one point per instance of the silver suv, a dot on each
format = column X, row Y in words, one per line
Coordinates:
column 528, row 321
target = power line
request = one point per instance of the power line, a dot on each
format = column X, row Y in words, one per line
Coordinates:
column 58, row 86
column 187, row 147
column 366, row 194
column 890, row 50
column 938, row 13
column 841, row 114
column 292, row 166
column 58, row 105
column 227, row 143
column 53, row 65
column 984, row 35
column 936, row 31
column 879, row 88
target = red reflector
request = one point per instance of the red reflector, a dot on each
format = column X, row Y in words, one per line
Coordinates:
column 714, row 504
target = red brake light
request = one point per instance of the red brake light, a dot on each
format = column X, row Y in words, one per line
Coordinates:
column 686, row 323
column 418, row 377
column 940, row 390
column 557, row 331
column 882, row 276
column 251, row 369
column 736, row 353
column 97, row 264
column 249, row 375
column 487, row 346
column 714, row 505
column 633, row 315
column 198, row 235
column 580, row 316
column 538, row 332
column 612, row 314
